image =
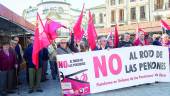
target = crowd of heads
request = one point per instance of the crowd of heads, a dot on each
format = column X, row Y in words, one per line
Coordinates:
column 103, row 43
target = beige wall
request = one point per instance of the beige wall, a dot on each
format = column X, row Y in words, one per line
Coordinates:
column 127, row 5
column 149, row 11
column 164, row 13
column 97, row 12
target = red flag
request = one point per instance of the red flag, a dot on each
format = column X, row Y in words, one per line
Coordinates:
column 91, row 31
column 51, row 28
column 44, row 38
column 41, row 41
column 116, row 37
column 36, row 45
column 78, row 31
column 164, row 25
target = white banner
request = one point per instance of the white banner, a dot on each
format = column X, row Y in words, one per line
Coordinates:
column 98, row 71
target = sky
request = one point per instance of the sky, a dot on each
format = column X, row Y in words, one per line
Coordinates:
column 19, row 5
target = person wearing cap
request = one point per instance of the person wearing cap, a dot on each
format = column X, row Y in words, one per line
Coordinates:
column 7, row 65
column 141, row 41
column 34, row 74
column 103, row 44
column 63, row 47
column 126, row 41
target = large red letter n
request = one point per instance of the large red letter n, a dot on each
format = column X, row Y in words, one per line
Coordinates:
column 98, row 66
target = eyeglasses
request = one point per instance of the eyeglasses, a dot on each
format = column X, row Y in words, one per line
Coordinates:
column 103, row 40
column 63, row 42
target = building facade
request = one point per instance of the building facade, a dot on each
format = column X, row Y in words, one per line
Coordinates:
column 99, row 15
column 160, row 9
column 125, row 12
column 57, row 10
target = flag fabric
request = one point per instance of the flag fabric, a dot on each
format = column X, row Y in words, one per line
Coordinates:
column 40, row 41
column 91, row 33
column 116, row 37
column 78, row 30
column 44, row 38
column 36, row 45
column 165, row 27
column 51, row 28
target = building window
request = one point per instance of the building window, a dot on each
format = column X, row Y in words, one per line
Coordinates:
column 158, row 4
column 142, row 12
column 133, row 13
column 45, row 11
column 121, row 15
column 113, row 16
column 94, row 18
column 120, row 1
column 112, row 2
column 60, row 10
column 132, row 0
column 101, row 18
column 157, row 18
column 53, row 9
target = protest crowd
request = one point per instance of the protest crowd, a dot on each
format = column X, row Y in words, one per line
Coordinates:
column 12, row 55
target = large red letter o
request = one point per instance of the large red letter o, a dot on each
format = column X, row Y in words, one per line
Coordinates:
column 119, row 63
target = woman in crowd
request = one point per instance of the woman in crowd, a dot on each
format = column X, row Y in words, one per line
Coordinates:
column 7, row 65
column 63, row 47
column 83, row 47
column 103, row 44
column 165, row 40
